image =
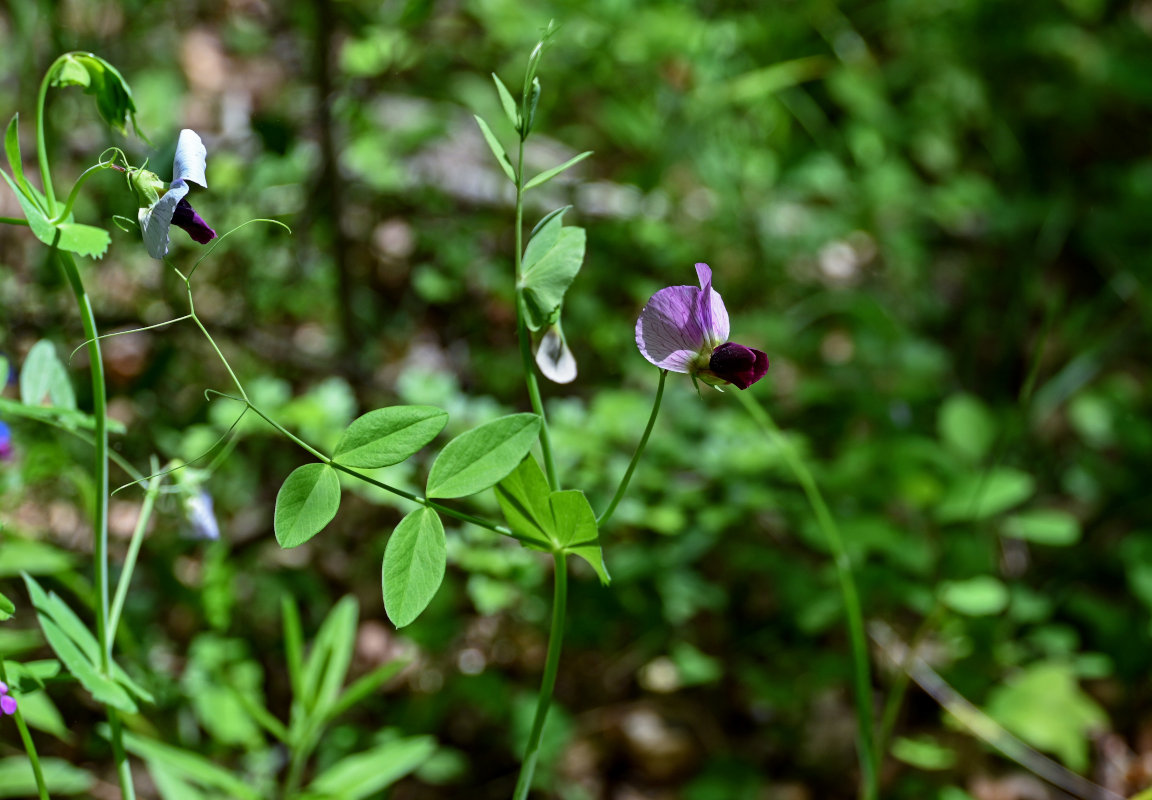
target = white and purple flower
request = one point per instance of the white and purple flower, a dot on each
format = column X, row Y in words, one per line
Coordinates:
column 685, row 329
column 168, row 205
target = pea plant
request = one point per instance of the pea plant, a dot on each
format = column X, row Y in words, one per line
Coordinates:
column 682, row 329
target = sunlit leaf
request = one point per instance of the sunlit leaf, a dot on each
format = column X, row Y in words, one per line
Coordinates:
column 414, row 563
column 387, row 436
column 497, row 149
column 482, row 457
column 369, row 773
column 506, row 102
column 18, row 780
column 306, row 502
column 549, row 174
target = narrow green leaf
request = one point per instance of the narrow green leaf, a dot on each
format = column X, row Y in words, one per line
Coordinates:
column 306, row 502
column 365, row 774
column 28, row 676
column 41, row 713
column 44, row 380
column 523, row 497
column 171, row 786
column 507, row 102
column 190, row 766
column 12, row 150
column 293, row 644
column 327, row 664
column 54, row 608
column 414, row 563
column 387, row 436
column 259, row 713
column 364, row 686
column 102, row 689
column 121, row 677
column 7, row 608
column 66, row 418
column 497, row 149
column 18, row 780
column 482, row 457
column 549, row 174
column 532, row 102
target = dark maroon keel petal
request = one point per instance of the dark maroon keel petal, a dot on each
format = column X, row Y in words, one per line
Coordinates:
column 737, row 364
column 186, row 217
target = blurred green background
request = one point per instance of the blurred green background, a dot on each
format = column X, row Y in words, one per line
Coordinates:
column 933, row 216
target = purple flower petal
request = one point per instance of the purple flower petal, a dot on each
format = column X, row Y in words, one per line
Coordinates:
column 713, row 316
column 8, row 704
column 739, row 365
column 669, row 332
column 3, row 687
column 185, row 217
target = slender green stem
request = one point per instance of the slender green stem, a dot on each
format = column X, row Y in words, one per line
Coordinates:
column 899, row 688
column 41, row 144
column 133, row 330
column 29, row 745
column 133, row 553
column 100, row 517
column 548, row 683
column 620, row 490
column 866, row 741
column 71, row 201
column 123, row 766
column 100, row 435
column 522, row 332
column 211, row 341
column 415, row 498
column 295, row 775
column 13, row 221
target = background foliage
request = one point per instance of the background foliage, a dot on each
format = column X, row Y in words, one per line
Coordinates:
column 934, row 218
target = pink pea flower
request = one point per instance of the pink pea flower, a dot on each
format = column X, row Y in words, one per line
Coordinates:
column 685, row 329
column 7, row 701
